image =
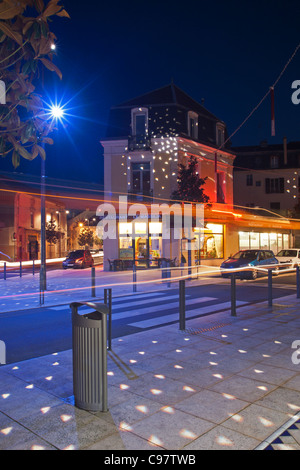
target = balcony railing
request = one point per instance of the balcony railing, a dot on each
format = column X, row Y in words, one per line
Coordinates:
column 139, row 142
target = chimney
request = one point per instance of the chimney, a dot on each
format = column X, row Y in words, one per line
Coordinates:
column 285, row 151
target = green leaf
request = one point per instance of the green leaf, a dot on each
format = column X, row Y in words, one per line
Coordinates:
column 16, row 159
column 50, row 66
column 24, row 153
column 41, row 152
column 48, row 140
column 6, row 29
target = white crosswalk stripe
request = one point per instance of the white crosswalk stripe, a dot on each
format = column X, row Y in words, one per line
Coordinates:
column 192, row 313
column 158, row 308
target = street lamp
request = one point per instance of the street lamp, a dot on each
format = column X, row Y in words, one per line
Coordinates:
column 55, row 112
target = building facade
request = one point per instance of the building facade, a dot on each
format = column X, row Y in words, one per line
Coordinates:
column 147, row 139
column 20, row 225
column 268, row 176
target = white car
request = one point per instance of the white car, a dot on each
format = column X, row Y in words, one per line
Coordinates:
column 291, row 257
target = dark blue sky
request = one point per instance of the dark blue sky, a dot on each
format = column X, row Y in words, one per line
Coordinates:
column 228, row 53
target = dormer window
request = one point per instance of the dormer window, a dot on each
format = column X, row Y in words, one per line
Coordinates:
column 220, row 134
column 139, row 121
column 274, row 161
column 193, row 125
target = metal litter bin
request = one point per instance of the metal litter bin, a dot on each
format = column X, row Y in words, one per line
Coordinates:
column 89, row 336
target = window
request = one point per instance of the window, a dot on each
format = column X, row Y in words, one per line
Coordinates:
column 275, row 206
column 274, row 185
column 220, row 134
column 139, row 121
column 249, row 180
column 263, row 241
column 209, row 244
column 258, row 184
column 193, row 125
column 274, row 162
column 32, row 220
column 141, row 178
column 221, row 187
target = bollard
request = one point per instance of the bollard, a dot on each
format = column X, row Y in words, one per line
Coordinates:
column 33, row 267
column 233, row 295
column 4, row 272
column 298, row 281
column 182, row 305
column 134, row 276
column 270, row 288
column 93, row 282
column 169, row 274
column 20, row 268
column 108, row 302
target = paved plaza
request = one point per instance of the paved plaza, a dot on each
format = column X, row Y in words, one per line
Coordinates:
column 224, row 383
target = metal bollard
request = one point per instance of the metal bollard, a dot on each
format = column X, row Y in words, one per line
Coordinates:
column 182, row 305
column 33, row 267
column 108, row 302
column 233, row 295
column 20, row 268
column 4, row 272
column 270, row 288
column 93, row 282
column 298, row 281
column 134, row 276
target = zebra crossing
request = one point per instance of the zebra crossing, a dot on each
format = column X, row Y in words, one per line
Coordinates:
column 147, row 310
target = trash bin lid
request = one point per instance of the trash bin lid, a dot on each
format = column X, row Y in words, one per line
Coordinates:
column 84, row 318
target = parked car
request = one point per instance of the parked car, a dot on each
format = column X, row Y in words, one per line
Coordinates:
column 97, row 256
column 251, row 259
column 290, row 256
column 78, row 259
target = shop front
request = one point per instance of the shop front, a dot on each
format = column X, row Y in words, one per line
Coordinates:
column 258, row 240
column 224, row 233
column 142, row 242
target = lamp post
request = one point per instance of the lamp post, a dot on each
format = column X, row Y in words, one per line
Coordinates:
column 55, row 112
column 43, row 278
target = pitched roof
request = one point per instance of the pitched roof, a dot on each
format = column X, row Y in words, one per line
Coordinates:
column 168, row 95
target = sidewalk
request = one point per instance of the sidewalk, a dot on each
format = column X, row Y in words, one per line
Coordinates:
column 225, row 383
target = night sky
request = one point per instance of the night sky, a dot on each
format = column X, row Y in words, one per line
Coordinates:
column 227, row 53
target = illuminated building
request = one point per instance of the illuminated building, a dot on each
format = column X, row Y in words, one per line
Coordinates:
column 147, row 138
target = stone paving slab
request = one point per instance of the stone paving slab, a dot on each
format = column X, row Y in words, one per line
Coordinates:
column 226, row 383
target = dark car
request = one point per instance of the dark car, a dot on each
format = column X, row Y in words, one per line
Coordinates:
column 249, row 259
column 78, row 259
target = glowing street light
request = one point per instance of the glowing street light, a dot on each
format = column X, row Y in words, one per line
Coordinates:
column 57, row 112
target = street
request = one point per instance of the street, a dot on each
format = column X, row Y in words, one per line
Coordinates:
column 34, row 332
